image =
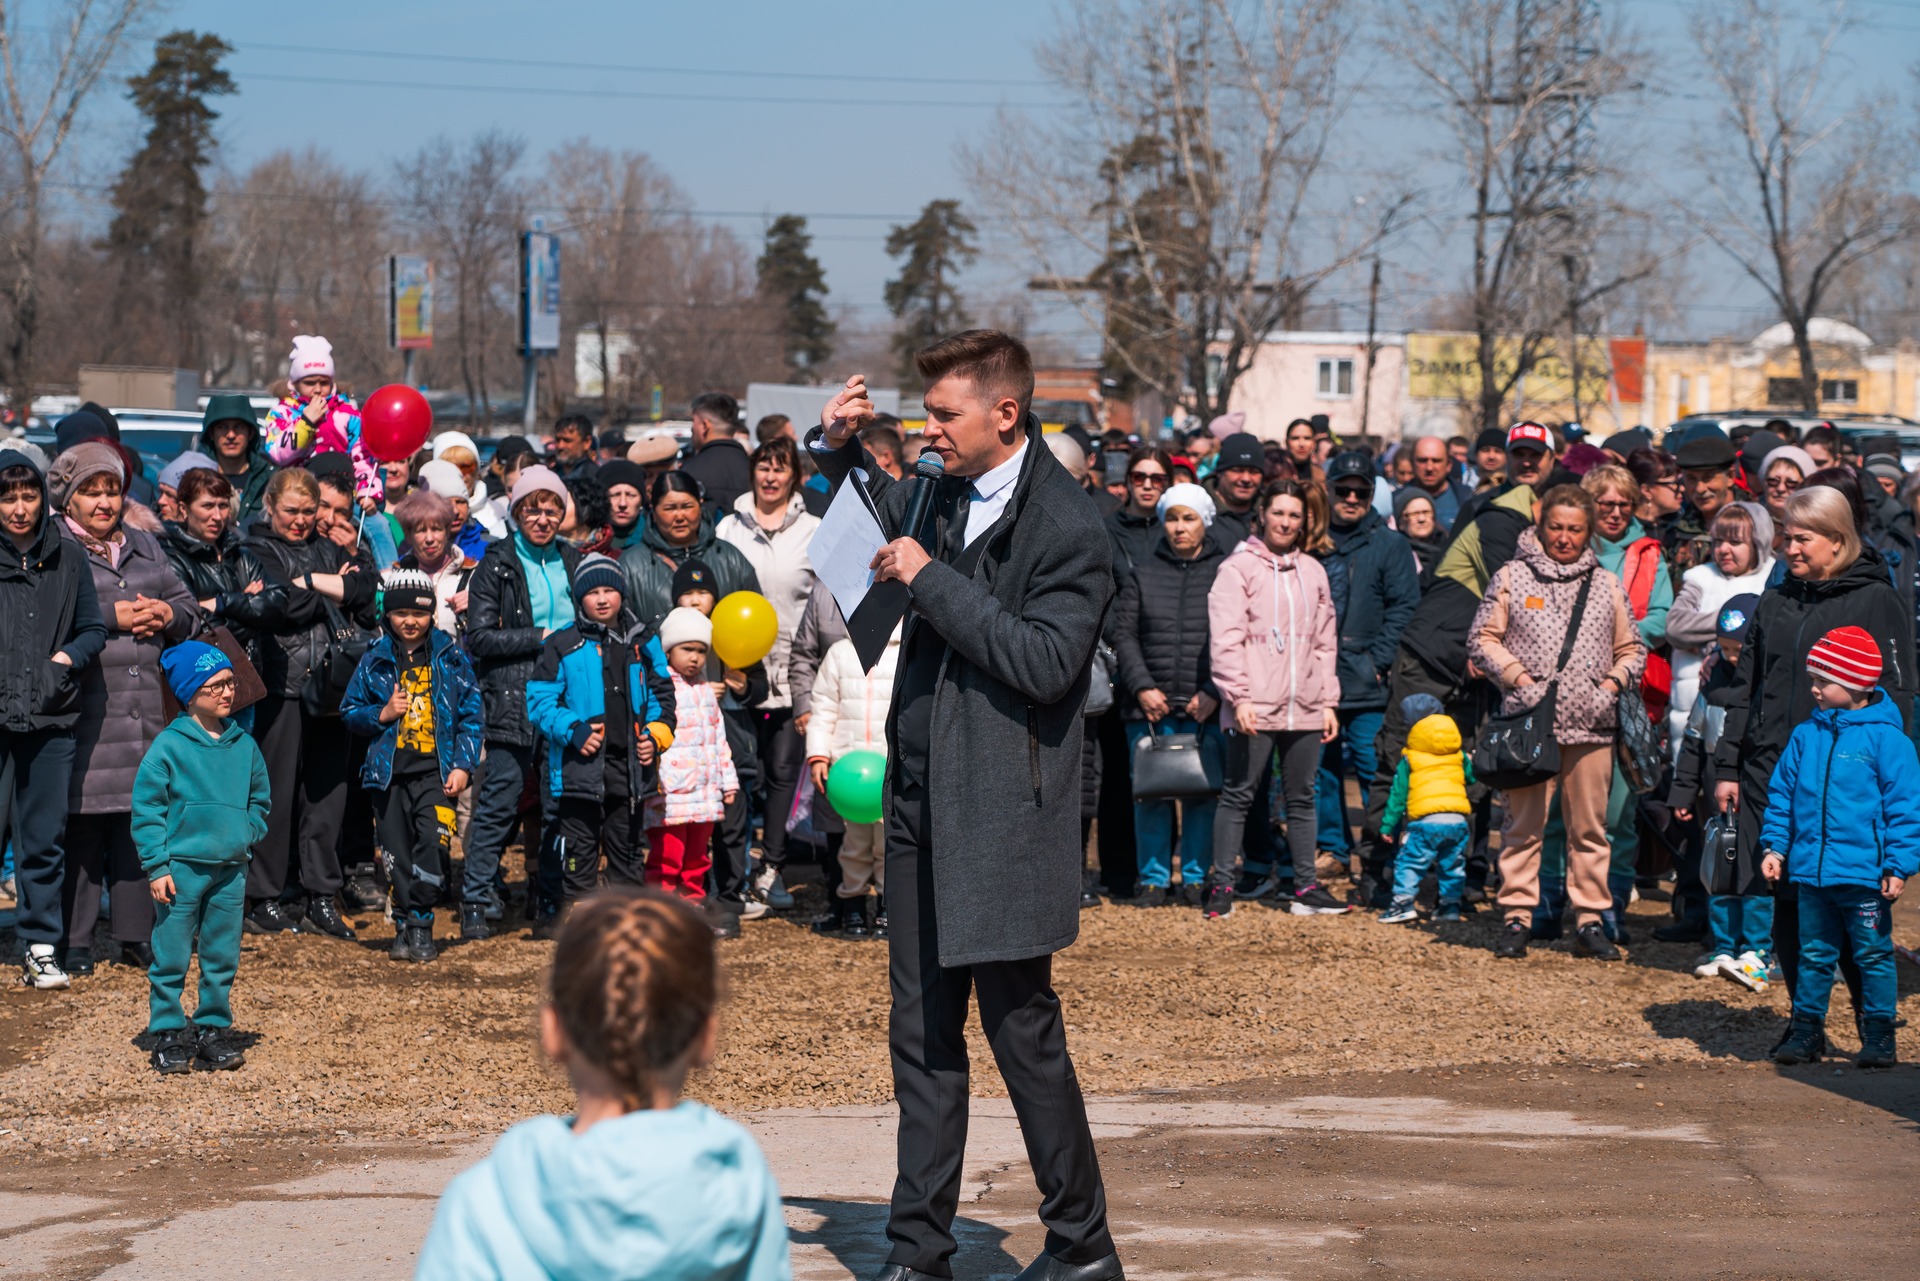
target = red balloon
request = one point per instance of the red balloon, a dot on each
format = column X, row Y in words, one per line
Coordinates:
column 395, row 422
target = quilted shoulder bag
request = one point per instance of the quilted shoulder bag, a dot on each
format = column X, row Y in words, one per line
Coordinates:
column 1518, row 749
column 1641, row 748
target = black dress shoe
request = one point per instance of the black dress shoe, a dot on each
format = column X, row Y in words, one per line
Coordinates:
column 77, row 962
column 138, row 956
column 323, row 917
column 1048, row 1268
column 901, row 1272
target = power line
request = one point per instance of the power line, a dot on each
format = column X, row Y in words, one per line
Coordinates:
column 555, row 91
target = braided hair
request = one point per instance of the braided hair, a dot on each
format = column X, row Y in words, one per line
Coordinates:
column 634, row 984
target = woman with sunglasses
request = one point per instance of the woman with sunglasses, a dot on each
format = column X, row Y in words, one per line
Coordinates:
column 1135, row 525
column 1782, row 474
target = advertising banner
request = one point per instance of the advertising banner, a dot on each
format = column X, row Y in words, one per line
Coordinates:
column 409, row 302
column 539, row 293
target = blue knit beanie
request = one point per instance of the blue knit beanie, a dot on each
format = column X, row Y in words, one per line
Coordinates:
column 1417, row 707
column 191, row 664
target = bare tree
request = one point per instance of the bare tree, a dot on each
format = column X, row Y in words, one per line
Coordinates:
column 466, row 204
column 1802, row 190
column 1516, row 85
column 1174, row 199
column 40, row 110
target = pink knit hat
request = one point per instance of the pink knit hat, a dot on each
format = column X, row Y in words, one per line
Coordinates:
column 312, row 356
column 536, row 479
column 1846, row 656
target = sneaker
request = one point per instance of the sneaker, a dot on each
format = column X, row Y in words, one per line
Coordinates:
column 1877, row 1048
column 1512, row 941
column 323, row 917
column 1252, row 886
column 268, row 916
column 1315, row 901
column 360, row 894
column 77, row 962
column 1711, row 965
column 38, row 969
column 473, row 921
column 217, row 1052
column 1190, row 894
column 1748, row 970
column 1805, row 1041
column 1219, row 902
column 1401, row 913
column 771, row 888
column 1591, row 940
column 726, row 925
column 1151, row 896
column 173, row 1052
column 420, row 946
column 1450, row 912
column 749, row 909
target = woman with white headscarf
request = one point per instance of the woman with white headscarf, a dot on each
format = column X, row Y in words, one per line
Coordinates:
column 1161, row 635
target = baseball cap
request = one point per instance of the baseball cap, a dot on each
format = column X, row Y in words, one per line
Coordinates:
column 1532, row 435
column 1351, row 465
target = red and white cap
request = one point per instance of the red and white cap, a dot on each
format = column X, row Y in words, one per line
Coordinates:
column 1530, row 434
column 311, row 355
column 1846, row 656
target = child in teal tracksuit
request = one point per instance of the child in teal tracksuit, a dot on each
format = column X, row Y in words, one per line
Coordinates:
column 200, row 804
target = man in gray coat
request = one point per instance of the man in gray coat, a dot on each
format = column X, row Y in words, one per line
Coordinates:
column 983, row 845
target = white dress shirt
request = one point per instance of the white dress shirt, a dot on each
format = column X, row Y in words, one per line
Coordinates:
column 989, row 494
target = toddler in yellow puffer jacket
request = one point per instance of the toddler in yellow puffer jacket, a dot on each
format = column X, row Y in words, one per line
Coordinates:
column 1430, row 793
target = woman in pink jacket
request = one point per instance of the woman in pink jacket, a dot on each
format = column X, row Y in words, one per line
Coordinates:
column 1273, row 647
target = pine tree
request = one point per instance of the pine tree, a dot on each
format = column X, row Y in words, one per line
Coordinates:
column 160, row 203
column 934, row 248
column 792, row 278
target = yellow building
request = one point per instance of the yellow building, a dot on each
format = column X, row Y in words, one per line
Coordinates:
column 1763, row 373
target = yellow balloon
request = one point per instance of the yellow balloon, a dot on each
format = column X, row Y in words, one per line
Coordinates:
column 744, row 628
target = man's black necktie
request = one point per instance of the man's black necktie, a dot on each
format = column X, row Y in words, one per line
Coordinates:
column 955, row 498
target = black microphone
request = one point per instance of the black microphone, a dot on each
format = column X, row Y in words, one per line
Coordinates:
column 927, row 474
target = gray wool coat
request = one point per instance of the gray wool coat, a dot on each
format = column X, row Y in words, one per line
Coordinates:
column 1003, row 783
column 121, row 706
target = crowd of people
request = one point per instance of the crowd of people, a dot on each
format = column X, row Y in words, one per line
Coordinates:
column 370, row 678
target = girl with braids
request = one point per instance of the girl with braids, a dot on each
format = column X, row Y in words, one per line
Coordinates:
column 638, row 1182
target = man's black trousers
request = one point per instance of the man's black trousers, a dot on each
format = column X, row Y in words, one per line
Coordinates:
column 927, row 1039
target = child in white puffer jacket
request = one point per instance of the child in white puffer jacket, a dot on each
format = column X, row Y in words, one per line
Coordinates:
column 850, row 714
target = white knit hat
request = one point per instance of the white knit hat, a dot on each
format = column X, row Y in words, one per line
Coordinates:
column 312, row 355
column 1191, row 496
column 684, row 625
column 448, row 439
column 443, row 478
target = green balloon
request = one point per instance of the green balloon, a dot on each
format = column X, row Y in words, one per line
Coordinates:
column 856, row 785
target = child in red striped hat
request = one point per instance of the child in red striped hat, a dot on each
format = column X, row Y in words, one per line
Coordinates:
column 1843, row 827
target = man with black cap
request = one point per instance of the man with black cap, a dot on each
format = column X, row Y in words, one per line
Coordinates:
column 1490, row 460
column 1237, row 478
column 1623, row 443
column 1375, row 591
column 1706, row 485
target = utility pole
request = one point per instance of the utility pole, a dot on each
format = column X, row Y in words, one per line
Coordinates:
column 1373, row 347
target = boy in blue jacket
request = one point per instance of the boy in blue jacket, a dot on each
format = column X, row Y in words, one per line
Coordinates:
column 1844, row 827
column 415, row 694
column 602, row 699
column 200, row 803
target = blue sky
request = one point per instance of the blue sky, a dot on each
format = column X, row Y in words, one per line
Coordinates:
column 745, row 159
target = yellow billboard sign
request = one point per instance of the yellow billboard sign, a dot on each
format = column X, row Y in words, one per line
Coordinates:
column 1447, row 367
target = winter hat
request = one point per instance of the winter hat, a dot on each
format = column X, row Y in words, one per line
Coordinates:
column 1490, row 438
column 693, row 576
column 81, row 424
column 1242, row 449
column 619, row 471
column 597, row 571
column 443, row 478
column 448, row 439
column 1625, row 442
column 192, row 460
column 405, row 589
column 1228, row 425
column 1417, row 707
column 1405, row 497
column 1885, row 467
column 1583, row 458
column 24, row 451
column 1736, row 616
column 684, row 625
column 536, row 478
column 1789, row 454
column 311, row 355
column 76, row 466
column 1846, row 656
column 1190, row 496
column 189, row 665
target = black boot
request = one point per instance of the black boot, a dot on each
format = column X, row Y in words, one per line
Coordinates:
column 361, row 895
column 420, row 937
column 830, row 925
column 855, row 926
column 398, row 952
column 1806, row 1041
column 323, row 917
column 880, row 916
column 1876, row 1044
column 473, row 921
column 1511, row 941
column 138, row 956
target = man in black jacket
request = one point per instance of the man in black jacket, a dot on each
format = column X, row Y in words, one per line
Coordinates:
column 1375, row 591
column 50, row 619
column 983, row 817
column 719, row 460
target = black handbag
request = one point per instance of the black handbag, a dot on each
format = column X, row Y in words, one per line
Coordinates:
column 326, row 684
column 1641, row 749
column 1518, row 749
column 1176, row 767
column 1719, row 854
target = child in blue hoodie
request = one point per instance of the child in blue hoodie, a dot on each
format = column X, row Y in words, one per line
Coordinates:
column 637, row 1182
column 415, row 694
column 200, row 803
column 1844, row 828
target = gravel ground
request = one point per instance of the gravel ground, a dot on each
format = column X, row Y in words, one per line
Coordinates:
column 352, row 1047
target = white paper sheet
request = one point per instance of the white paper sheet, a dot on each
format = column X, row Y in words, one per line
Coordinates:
column 844, row 545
